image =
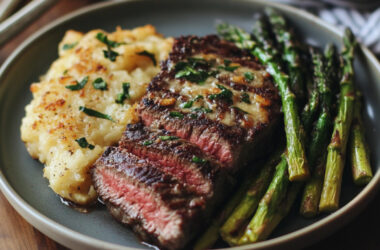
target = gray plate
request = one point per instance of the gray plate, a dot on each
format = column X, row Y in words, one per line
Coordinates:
column 21, row 177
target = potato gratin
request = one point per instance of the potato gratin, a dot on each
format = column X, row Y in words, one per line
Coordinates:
column 84, row 101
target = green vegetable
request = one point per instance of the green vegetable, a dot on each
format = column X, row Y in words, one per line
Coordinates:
column 248, row 76
column 100, row 84
column 176, row 114
column 78, row 85
column 245, row 98
column 225, row 94
column 125, row 95
column 104, row 39
column 94, row 113
column 202, row 110
column 68, row 46
column 196, row 159
column 148, row 54
column 110, row 54
column 168, row 137
column 147, row 143
column 194, row 70
column 187, row 104
column 84, row 144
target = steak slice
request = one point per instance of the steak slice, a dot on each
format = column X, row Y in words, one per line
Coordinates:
column 176, row 157
column 156, row 205
column 216, row 96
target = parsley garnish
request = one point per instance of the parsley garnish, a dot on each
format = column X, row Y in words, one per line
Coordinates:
column 68, row 46
column 248, row 76
column 147, row 143
column 187, row 104
column 227, row 66
column 99, row 83
column 109, row 53
column 168, row 137
column 202, row 109
column 78, row 85
column 196, row 159
column 194, row 70
column 239, row 109
column 225, row 94
column 176, row 114
column 245, row 98
column 95, row 113
column 104, row 39
column 148, row 54
column 125, row 95
column 84, row 144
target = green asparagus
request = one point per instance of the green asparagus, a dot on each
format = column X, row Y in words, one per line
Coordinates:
column 248, row 204
column 290, row 50
column 337, row 148
column 325, row 76
column 298, row 169
column 359, row 155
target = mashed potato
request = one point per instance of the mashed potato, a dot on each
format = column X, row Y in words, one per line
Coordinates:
column 53, row 123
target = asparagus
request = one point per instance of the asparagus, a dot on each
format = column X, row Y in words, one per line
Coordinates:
column 325, row 77
column 291, row 51
column 359, row 155
column 298, row 169
column 248, row 204
column 266, row 215
column 337, row 148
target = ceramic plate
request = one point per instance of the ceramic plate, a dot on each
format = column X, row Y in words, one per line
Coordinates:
column 21, row 177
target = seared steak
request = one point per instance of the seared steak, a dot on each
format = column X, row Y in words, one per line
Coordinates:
column 211, row 109
column 214, row 95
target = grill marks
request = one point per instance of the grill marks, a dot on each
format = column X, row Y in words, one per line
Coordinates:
column 172, row 169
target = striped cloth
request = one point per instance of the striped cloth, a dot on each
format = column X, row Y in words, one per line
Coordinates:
column 364, row 23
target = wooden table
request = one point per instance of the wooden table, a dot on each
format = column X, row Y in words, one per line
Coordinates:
column 16, row 233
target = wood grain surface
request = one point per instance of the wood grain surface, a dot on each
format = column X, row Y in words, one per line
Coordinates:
column 16, row 233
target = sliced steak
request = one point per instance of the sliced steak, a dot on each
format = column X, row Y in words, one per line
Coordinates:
column 216, row 96
column 177, row 157
column 156, row 205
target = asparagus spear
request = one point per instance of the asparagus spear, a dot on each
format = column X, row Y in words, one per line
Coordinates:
column 359, row 155
column 262, row 223
column 298, row 169
column 248, row 204
column 337, row 148
column 325, row 76
column 290, row 50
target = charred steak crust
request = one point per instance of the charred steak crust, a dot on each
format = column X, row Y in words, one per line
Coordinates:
column 224, row 140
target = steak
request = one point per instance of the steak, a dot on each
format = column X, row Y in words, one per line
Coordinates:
column 210, row 110
column 216, row 96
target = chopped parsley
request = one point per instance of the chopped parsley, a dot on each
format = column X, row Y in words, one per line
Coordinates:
column 168, row 137
column 176, row 114
column 245, row 98
column 194, row 70
column 227, row 66
column 109, row 53
column 65, row 72
column 225, row 94
column 104, row 39
column 125, row 95
column 84, row 144
column 202, row 110
column 248, row 76
column 94, row 113
column 196, row 159
column 78, row 85
column 148, row 54
column 187, row 104
column 198, row 97
column 68, row 46
column 147, row 143
column 99, row 83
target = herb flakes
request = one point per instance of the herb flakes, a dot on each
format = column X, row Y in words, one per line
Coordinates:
column 225, row 94
column 79, row 85
column 68, row 46
column 248, row 76
column 148, row 54
column 94, row 113
column 176, row 114
column 245, row 98
column 99, row 83
column 196, row 159
column 84, row 144
column 121, row 97
column 147, row 143
column 168, row 137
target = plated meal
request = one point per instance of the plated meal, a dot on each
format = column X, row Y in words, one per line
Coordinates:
column 191, row 139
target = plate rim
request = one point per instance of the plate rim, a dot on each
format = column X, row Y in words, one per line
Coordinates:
column 79, row 240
